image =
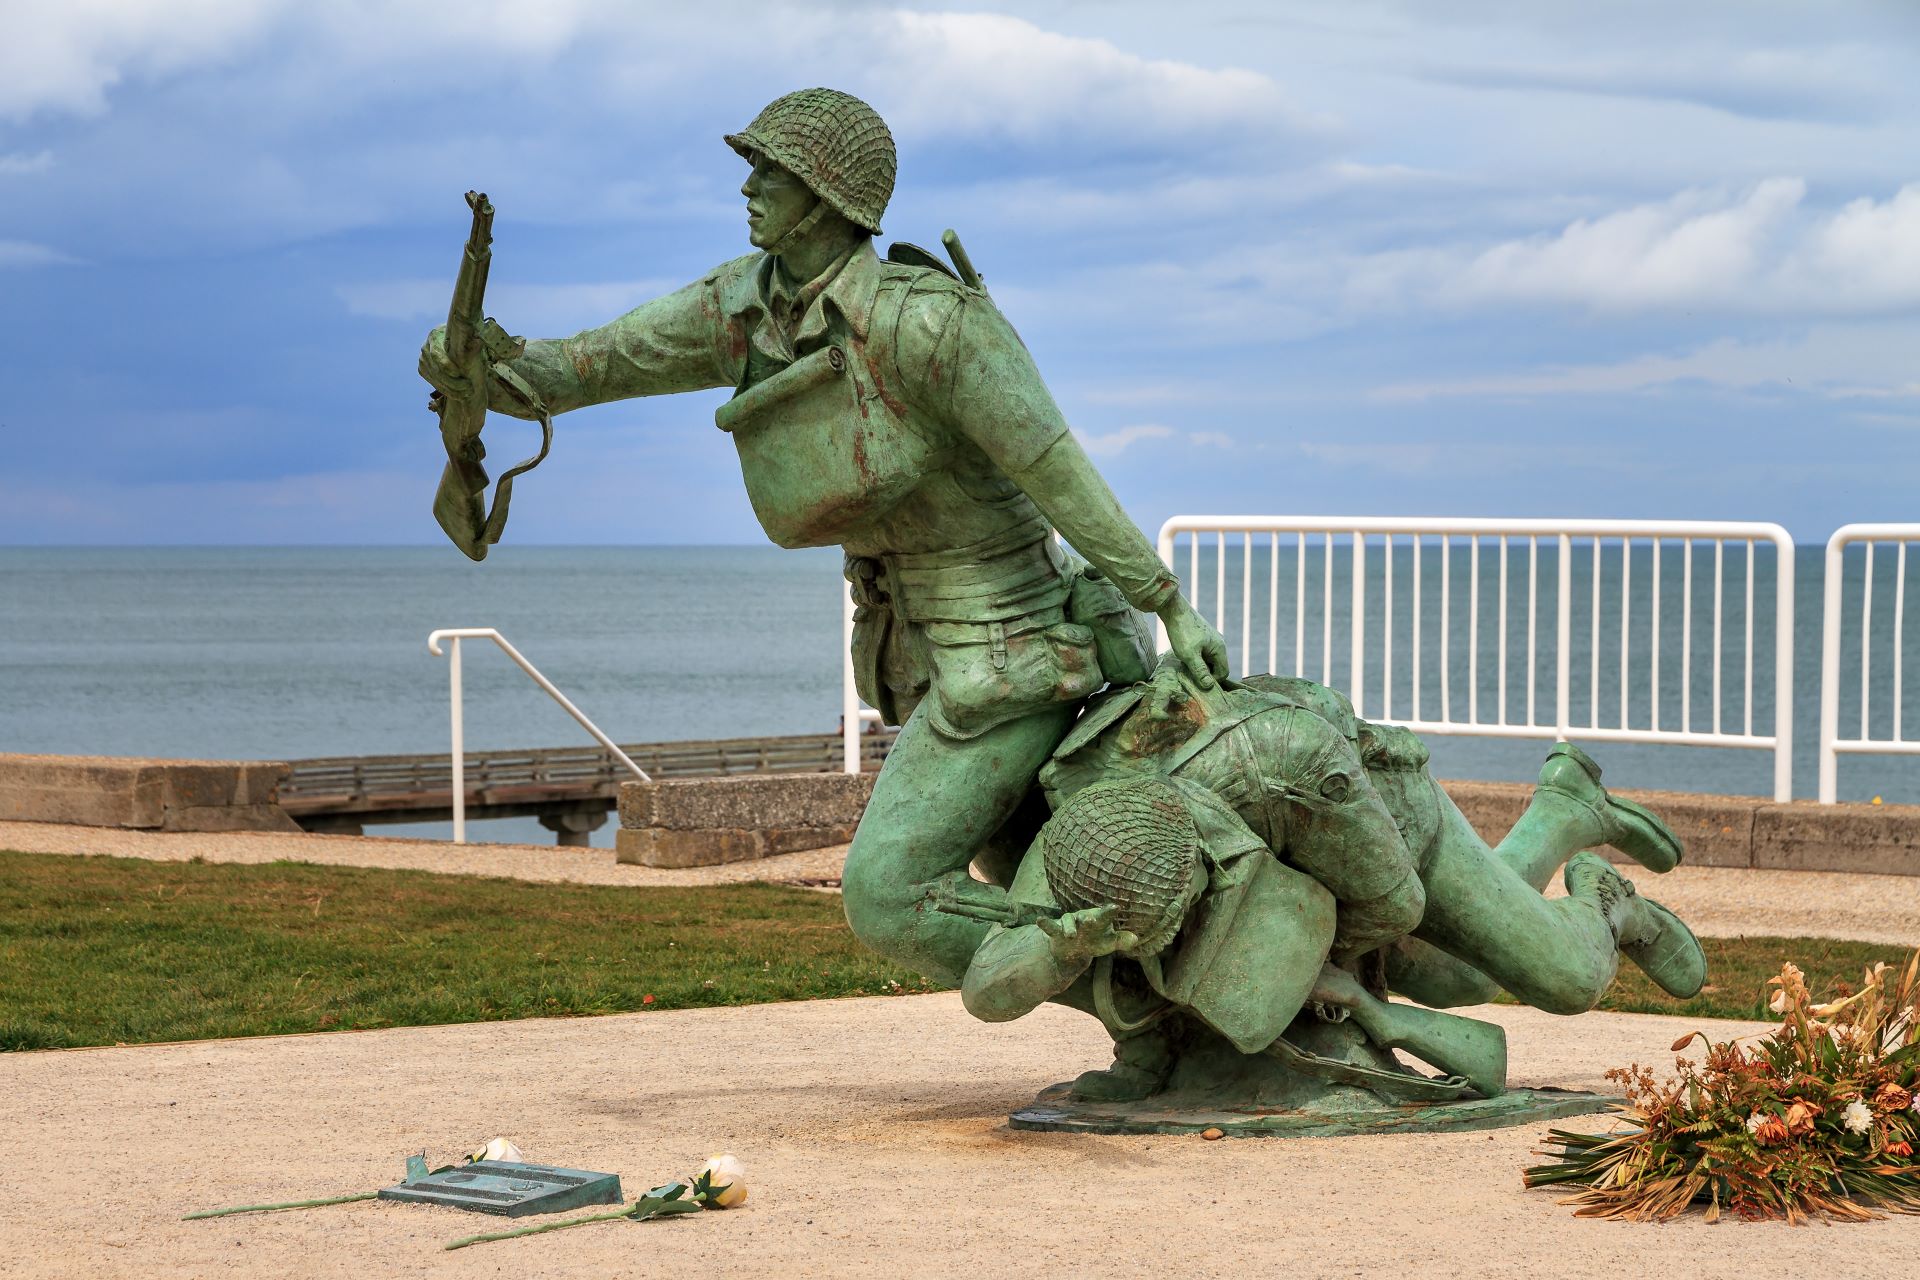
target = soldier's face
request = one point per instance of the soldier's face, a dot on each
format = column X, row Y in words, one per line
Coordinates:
column 776, row 202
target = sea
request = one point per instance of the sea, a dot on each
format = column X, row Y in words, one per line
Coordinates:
column 291, row 652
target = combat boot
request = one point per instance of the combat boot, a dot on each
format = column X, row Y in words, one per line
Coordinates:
column 1647, row 933
column 1570, row 781
column 1141, row 1064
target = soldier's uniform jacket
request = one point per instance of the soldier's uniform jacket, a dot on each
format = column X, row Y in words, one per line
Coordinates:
column 891, row 409
column 1246, row 958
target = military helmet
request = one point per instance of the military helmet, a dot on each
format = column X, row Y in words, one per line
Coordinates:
column 835, row 143
column 1128, row 843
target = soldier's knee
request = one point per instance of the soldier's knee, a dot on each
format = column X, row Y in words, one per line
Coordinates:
column 1379, row 920
column 872, row 893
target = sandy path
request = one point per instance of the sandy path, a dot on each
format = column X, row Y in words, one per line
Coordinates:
column 875, row 1133
column 1717, row 902
column 520, row 861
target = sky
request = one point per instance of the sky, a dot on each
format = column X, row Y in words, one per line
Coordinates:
column 1482, row 258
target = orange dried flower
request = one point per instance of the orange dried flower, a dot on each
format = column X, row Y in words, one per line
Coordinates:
column 1892, row 1097
column 1902, row 1148
column 1800, row 1118
column 1771, row 1132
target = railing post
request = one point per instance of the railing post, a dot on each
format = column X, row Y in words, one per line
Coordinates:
column 1783, row 670
column 850, row 722
column 459, row 748
column 1830, row 667
column 1357, row 647
column 1563, row 642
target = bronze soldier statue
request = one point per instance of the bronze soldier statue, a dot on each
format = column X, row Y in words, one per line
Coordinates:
column 888, row 407
column 1263, row 848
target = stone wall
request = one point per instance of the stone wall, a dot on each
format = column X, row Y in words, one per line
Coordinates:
column 703, row 821
column 700, row 822
column 160, row 795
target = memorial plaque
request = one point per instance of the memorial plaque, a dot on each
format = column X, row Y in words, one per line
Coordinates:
column 508, row 1190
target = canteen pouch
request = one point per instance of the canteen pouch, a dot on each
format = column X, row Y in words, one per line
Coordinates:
column 1120, row 637
column 984, row 675
column 819, row 451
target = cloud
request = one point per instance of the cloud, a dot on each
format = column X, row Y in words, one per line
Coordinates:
column 528, row 308
column 65, row 57
column 990, row 75
column 1850, row 361
column 1762, row 84
column 1111, row 444
column 1761, row 248
column 18, row 164
column 15, row 254
column 1686, row 249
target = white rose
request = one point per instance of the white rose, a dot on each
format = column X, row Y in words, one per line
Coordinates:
column 728, row 1178
column 498, row 1149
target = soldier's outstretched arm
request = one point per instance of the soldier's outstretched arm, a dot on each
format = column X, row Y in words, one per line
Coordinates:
column 680, row 342
column 986, row 385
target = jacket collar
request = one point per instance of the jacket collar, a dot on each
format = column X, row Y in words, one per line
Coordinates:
column 849, row 292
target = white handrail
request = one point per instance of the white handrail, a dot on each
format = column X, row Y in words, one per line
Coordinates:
column 457, row 634
column 1515, row 539
column 1831, row 743
column 853, row 716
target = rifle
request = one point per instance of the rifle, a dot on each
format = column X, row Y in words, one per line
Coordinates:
column 476, row 346
column 963, row 896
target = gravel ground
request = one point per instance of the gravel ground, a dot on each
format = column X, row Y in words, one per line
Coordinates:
column 1717, row 902
column 874, row 1132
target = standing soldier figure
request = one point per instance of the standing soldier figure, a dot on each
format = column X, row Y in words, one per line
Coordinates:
column 890, row 408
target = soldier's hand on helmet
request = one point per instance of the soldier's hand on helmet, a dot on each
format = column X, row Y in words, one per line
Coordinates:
column 439, row 369
column 1087, row 935
column 1202, row 650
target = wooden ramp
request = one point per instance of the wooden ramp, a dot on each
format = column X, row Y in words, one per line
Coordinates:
column 570, row 789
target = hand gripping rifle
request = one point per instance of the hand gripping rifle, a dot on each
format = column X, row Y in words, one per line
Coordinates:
column 476, row 346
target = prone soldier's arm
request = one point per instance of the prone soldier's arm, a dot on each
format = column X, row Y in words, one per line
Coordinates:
column 1015, row 971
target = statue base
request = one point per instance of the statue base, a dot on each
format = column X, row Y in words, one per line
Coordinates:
column 1344, row 1112
column 1211, row 1085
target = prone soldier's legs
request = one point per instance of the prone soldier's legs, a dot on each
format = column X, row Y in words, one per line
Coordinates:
column 936, row 804
column 1571, row 811
column 1555, row 954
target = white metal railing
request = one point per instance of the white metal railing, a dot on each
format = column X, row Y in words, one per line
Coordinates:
column 1831, row 619
column 1654, row 710
column 854, row 717
column 456, row 635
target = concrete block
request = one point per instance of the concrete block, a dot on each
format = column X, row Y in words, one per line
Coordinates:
column 747, row 801
column 1717, row 831
column 170, row 795
column 1804, row 836
column 664, row 847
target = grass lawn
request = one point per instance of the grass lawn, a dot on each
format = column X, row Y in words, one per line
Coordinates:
column 121, row 950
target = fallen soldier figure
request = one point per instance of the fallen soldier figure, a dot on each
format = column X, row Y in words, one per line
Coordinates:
column 1261, row 862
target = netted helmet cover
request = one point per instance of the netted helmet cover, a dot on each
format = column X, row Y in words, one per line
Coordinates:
column 835, row 143
column 1131, row 844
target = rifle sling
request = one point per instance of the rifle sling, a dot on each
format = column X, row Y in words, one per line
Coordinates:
column 503, row 491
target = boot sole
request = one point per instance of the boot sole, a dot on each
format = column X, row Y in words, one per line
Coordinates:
column 1684, row 947
column 1647, row 840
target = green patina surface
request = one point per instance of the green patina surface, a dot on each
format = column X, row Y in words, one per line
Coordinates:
column 1056, row 1110
column 1286, row 863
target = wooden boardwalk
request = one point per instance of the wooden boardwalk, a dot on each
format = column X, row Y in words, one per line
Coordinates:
column 570, row 789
